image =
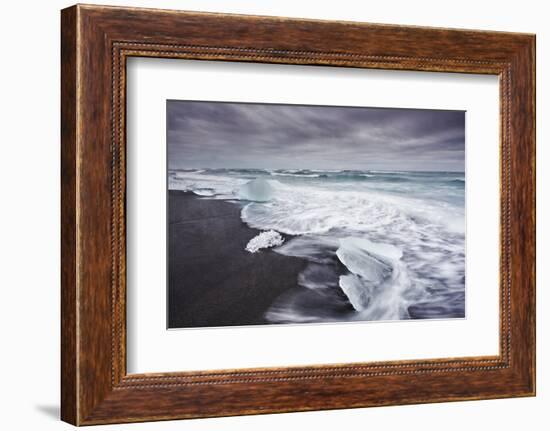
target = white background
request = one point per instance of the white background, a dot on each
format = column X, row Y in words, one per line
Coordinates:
column 29, row 228
column 151, row 348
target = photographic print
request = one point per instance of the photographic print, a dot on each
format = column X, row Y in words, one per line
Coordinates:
column 291, row 214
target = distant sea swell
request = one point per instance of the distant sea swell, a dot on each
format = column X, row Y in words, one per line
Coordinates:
column 381, row 245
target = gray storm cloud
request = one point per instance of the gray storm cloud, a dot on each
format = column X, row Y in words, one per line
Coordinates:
column 245, row 135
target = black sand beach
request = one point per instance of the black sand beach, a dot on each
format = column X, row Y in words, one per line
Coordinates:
column 212, row 279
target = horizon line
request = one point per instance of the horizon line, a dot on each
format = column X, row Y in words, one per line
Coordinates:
column 317, row 169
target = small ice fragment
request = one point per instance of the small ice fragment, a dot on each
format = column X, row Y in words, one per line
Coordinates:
column 204, row 192
column 266, row 239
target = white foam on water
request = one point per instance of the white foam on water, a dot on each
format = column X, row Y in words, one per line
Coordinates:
column 203, row 184
column 316, row 248
column 288, row 174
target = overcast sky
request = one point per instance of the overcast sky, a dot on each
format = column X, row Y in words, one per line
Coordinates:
column 243, row 135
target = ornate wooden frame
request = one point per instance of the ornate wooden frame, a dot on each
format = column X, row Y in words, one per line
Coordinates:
column 95, row 42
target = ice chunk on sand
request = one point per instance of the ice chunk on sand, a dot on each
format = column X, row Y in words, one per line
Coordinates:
column 257, row 190
column 267, row 239
column 372, row 261
column 376, row 278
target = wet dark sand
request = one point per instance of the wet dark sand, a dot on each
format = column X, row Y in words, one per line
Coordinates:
column 212, row 279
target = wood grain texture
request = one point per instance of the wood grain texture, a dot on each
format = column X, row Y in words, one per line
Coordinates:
column 69, row 397
column 96, row 41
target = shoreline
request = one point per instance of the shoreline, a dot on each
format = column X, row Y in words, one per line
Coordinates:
column 212, row 280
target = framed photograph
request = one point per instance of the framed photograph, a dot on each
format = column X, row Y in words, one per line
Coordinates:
column 264, row 214
column 273, row 218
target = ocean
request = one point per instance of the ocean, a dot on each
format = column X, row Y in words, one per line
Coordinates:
column 380, row 245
